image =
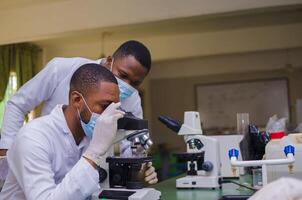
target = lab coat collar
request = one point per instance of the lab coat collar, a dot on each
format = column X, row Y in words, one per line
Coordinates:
column 59, row 117
column 60, row 121
column 101, row 61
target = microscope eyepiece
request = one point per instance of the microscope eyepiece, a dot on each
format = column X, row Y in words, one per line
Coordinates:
column 172, row 124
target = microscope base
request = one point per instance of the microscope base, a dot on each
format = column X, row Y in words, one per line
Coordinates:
column 198, row 182
column 140, row 194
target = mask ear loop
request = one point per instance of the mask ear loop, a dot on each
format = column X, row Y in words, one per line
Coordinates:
column 79, row 114
column 85, row 103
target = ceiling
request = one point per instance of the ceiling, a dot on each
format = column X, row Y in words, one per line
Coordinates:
column 16, row 4
column 32, row 20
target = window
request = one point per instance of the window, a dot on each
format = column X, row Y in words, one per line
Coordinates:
column 10, row 90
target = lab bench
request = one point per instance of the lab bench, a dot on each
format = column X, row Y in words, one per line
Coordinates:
column 169, row 191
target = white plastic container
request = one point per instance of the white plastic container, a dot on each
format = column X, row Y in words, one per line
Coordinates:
column 274, row 150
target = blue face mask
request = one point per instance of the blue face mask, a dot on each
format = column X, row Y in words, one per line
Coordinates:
column 126, row 90
column 89, row 127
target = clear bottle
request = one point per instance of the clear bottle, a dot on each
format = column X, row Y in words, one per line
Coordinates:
column 242, row 123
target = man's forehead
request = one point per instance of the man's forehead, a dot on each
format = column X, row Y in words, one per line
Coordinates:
column 129, row 60
column 104, row 89
column 132, row 67
column 108, row 87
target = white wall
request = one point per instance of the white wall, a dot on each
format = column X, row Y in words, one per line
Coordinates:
column 184, row 45
column 221, row 67
column 228, row 63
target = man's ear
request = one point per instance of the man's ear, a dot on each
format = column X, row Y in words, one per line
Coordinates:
column 75, row 99
column 108, row 62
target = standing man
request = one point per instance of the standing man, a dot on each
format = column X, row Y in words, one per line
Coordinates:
column 130, row 64
column 56, row 156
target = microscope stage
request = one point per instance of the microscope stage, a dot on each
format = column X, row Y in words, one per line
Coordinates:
column 145, row 194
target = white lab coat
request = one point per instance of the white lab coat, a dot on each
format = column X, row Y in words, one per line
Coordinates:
column 51, row 86
column 45, row 163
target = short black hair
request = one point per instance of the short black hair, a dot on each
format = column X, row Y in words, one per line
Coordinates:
column 137, row 49
column 89, row 76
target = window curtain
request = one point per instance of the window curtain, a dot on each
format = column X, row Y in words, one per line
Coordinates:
column 19, row 58
column 6, row 58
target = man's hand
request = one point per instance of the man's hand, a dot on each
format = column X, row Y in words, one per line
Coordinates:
column 3, row 152
column 104, row 133
column 150, row 174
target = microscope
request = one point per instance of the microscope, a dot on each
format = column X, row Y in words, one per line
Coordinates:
column 126, row 174
column 202, row 156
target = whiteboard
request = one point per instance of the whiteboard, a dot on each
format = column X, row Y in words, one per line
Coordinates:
column 218, row 104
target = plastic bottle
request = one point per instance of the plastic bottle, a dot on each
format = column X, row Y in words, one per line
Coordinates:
column 275, row 150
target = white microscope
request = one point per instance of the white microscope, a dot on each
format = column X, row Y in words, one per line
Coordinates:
column 202, row 156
